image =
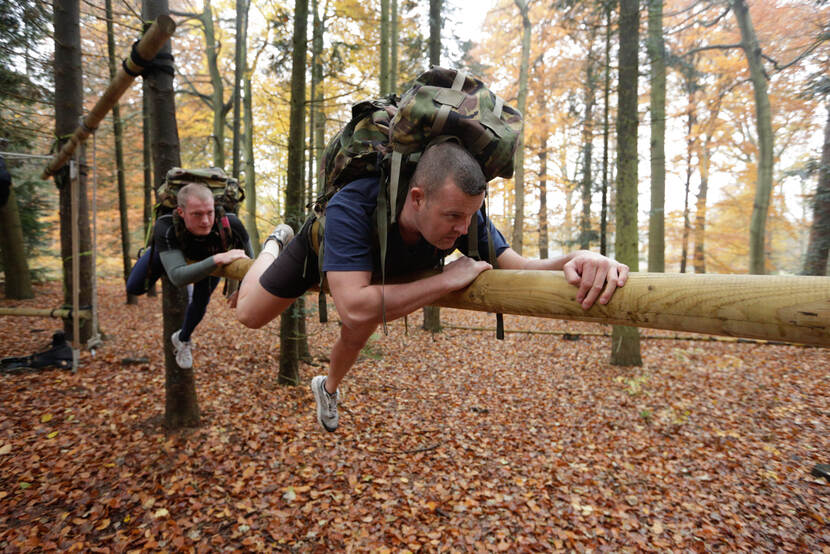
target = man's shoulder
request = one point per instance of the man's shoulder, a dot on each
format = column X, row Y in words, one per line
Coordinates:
column 363, row 190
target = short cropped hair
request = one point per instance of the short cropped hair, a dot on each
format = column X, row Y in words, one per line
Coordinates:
column 189, row 191
column 448, row 160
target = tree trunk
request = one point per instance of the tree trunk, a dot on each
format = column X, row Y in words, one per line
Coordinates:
column 148, row 169
column 587, row 149
column 16, row 268
column 435, row 9
column 68, row 110
column 763, row 115
column 218, row 88
column 544, row 238
column 240, row 51
column 181, row 404
column 289, row 330
column 118, row 132
column 519, row 176
column 250, row 167
column 657, row 219
column 384, row 47
column 625, row 348
column 700, row 211
column 393, row 40
column 606, row 93
column 318, row 115
column 432, row 314
column 819, row 244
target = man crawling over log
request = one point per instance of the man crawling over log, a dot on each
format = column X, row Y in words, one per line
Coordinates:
column 446, row 191
column 191, row 233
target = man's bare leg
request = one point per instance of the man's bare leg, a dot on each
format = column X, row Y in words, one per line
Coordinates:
column 255, row 306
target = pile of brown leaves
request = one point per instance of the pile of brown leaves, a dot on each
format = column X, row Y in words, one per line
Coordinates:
column 452, row 442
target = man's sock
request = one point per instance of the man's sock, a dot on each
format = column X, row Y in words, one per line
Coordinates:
column 272, row 247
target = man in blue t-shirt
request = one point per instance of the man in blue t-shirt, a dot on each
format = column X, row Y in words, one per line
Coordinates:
column 446, row 191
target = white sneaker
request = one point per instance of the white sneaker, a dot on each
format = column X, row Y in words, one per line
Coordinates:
column 183, row 351
column 326, row 404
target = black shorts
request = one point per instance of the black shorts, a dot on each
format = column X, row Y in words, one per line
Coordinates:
column 296, row 269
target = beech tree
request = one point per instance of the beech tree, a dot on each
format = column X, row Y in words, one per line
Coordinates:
column 68, row 110
column 625, row 346
column 289, row 373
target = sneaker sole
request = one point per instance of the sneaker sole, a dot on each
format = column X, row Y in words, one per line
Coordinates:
column 319, row 402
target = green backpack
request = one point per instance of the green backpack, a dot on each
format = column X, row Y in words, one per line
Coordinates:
column 385, row 137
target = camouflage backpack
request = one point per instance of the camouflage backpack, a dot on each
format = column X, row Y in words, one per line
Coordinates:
column 227, row 193
column 386, row 137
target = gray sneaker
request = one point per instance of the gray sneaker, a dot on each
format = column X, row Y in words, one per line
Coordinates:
column 282, row 233
column 326, row 403
column 183, row 351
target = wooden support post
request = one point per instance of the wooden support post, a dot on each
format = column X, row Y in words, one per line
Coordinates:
column 768, row 307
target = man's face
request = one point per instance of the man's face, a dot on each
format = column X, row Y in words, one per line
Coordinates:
column 445, row 215
column 197, row 215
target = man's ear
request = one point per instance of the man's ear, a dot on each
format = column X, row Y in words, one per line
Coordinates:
column 418, row 196
column 179, row 211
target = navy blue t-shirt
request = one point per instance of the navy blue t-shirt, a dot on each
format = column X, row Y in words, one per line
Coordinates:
column 351, row 243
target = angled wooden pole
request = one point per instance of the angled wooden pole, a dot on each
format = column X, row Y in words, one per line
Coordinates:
column 149, row 45
column 781, row 308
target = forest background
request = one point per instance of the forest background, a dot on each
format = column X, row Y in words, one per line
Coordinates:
column 567, row 197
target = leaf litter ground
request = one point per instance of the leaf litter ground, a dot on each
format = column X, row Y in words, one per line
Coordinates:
column 453, row 442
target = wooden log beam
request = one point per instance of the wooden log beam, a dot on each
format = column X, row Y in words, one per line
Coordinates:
column 780, row 308
column 159, row 32
column 42, row 312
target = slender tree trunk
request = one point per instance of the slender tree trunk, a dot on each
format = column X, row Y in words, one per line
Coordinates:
column 587, row 149
column 218, row 88
column 68, row 109
column 606, row 93
column 118, row 132
column 432, row 314
column 250, row 167
column 544, row 238
column 625, row 347
column 289, row 329
column 519, row 176
column 763, row 115
column 319, row 127
column 181, row 403
column 657, row 219
column 435, row 9
column 700, row 211
column 819, row 244
column 384, row 47
column 13, row 252
column 393, row 39
column 240, row 51
column 148, row 168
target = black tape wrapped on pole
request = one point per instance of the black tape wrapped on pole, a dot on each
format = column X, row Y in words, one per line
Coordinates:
column 141, row 58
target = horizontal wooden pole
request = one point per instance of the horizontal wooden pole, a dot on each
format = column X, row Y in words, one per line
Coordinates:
column 41, row 312
column 159, row 33
column 779, row 308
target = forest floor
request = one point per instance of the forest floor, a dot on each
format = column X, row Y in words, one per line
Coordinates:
column 455, row 442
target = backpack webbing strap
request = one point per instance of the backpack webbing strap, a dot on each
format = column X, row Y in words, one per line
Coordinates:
column 394, row 182
column 317, row 230
column 383, row 231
